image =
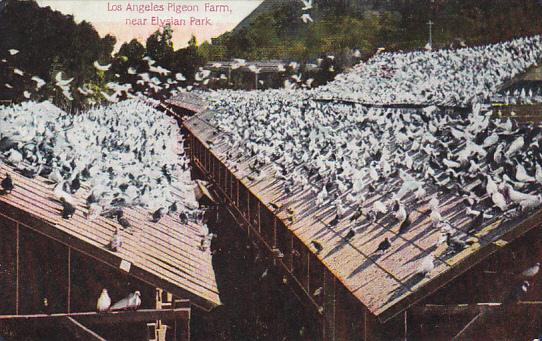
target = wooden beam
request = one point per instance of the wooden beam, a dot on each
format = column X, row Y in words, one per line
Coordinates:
column 17, row 270
column 69, row 279
column 464, row 309
column 143, row 315
column 468, row 325
column 79, row 331
column 181, row 327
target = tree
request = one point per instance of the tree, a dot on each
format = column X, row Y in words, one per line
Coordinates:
column 160, row 47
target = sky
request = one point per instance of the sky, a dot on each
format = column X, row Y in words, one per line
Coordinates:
column 139, row 18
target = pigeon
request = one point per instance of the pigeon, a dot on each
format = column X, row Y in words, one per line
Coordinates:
column 307, row 5
column 116, row 241
column 317, row 291
column 157, row 215
column 183, row 218
column 427, row 264
column 7, row 184
column 383, row 246
column 317, row 246
column 306, row 18
column 351, row 233
column 517, row 293
column 13, row 51
column 68, row 210
column 531, row 271
column 455, row 243
column 104, row 302
column 131, row 302
column 101, row 67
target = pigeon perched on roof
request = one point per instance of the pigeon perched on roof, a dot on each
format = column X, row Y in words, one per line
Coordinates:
column 7, row 184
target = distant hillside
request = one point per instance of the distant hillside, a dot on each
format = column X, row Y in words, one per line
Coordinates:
column 275, row 30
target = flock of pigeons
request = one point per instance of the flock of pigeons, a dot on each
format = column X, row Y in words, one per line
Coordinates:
column 443, row 77
column 519, row 96
column 131, row 302
column 347, row 153
column 126, row 154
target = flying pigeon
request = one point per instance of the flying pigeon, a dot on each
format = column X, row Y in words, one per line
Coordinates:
column 307, row 5
column 101, row 67
column 531, row 271
column 306, row 18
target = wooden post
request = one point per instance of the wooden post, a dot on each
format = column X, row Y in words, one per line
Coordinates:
column 182, row 327
column 17, row 270
column 405, row 321
column 69, row 278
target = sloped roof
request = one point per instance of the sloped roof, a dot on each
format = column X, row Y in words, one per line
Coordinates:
column 163, row 254
column 385, row 284
column 188, row 101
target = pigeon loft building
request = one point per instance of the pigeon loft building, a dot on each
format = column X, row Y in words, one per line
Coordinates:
column 53, row 270
column 251, row 75
column 357, row 294
column 185, row 104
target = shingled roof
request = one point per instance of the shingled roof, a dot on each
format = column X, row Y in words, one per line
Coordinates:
column 385, row 284
column 163, row 254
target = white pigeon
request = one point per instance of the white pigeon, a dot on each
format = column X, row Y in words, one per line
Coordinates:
column 427, row 264
column 307, row 5
column 306, row 17
column 101, row 67
column 180, row 77
column 515, row 146
column 159, row 70
column 104, row 302
column 499, row 201
column 531, row 271
column 131, row 302
column 521, row 174
column 39, row 82
column 62, row 82
column 13, row 52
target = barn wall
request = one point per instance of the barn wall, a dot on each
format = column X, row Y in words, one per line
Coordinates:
column 8, row 265
column 490, row 281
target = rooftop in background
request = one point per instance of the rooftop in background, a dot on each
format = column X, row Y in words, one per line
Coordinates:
column 455, row 77
column 187, row 101
column 267, row 66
